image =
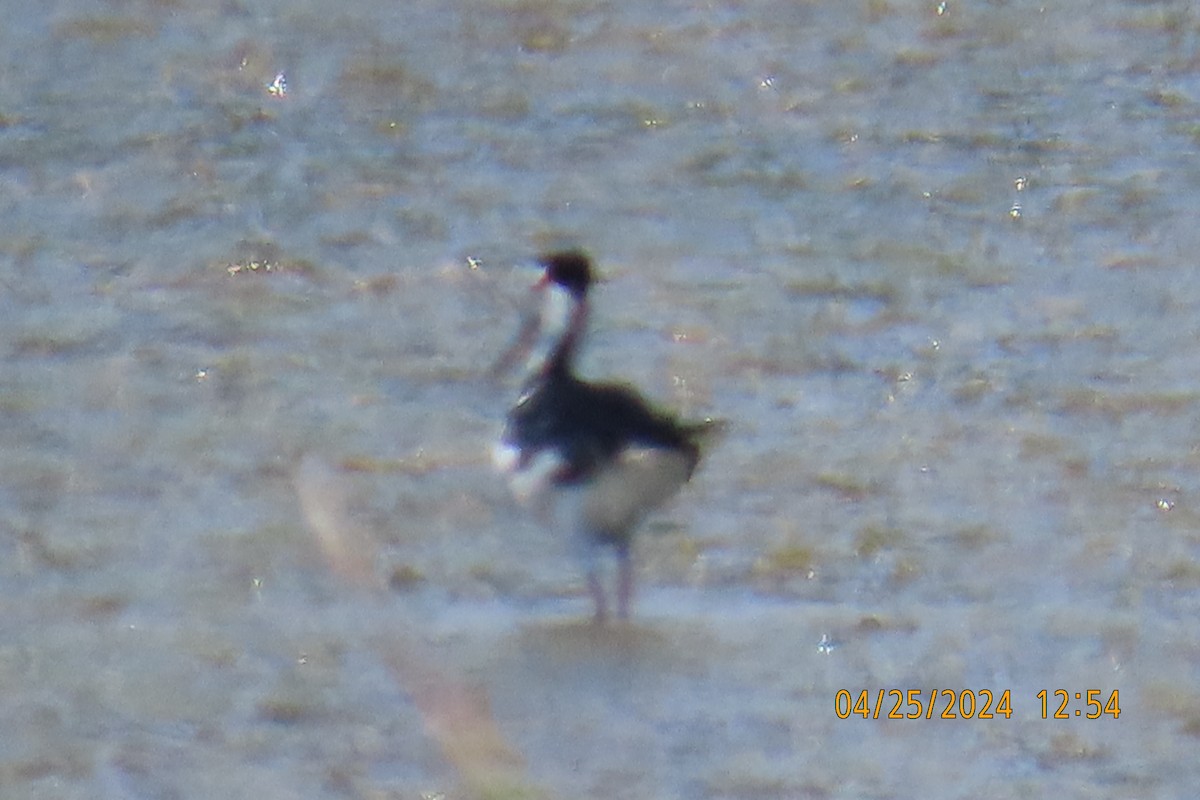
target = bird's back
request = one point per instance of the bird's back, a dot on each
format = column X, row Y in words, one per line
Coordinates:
column 590, row 424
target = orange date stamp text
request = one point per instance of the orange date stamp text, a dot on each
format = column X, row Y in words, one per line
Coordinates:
column 971, row 704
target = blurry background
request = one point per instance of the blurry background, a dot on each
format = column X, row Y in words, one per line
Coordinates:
column 936, row 262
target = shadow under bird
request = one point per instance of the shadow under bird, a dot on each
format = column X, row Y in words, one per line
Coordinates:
column 593, row 457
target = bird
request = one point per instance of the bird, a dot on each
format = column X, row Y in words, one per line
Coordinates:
column 592, row 456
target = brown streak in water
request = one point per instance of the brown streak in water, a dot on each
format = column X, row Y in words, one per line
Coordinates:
column 456, row 715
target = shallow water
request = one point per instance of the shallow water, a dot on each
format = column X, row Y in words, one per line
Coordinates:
column 935, row 263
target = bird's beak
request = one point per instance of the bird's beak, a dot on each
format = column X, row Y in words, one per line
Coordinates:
column 521, row 345
column 527, row 334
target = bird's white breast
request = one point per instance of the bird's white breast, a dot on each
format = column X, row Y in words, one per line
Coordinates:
column 638, row 481
column 529, row 476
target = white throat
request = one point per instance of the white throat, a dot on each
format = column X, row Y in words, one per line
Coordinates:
column 557, row 316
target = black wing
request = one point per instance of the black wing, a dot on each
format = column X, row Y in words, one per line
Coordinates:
column 588, row 425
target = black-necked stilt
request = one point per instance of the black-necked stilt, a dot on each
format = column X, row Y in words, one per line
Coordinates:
column 595, row 455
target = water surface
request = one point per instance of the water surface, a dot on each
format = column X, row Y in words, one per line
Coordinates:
column 935, row 263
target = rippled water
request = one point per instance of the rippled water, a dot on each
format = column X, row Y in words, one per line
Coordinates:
column 934, row 261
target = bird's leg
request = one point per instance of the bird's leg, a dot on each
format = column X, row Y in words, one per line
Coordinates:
column 588, row 548
column 597, row 590
column 587, row 551
column 624, row 580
